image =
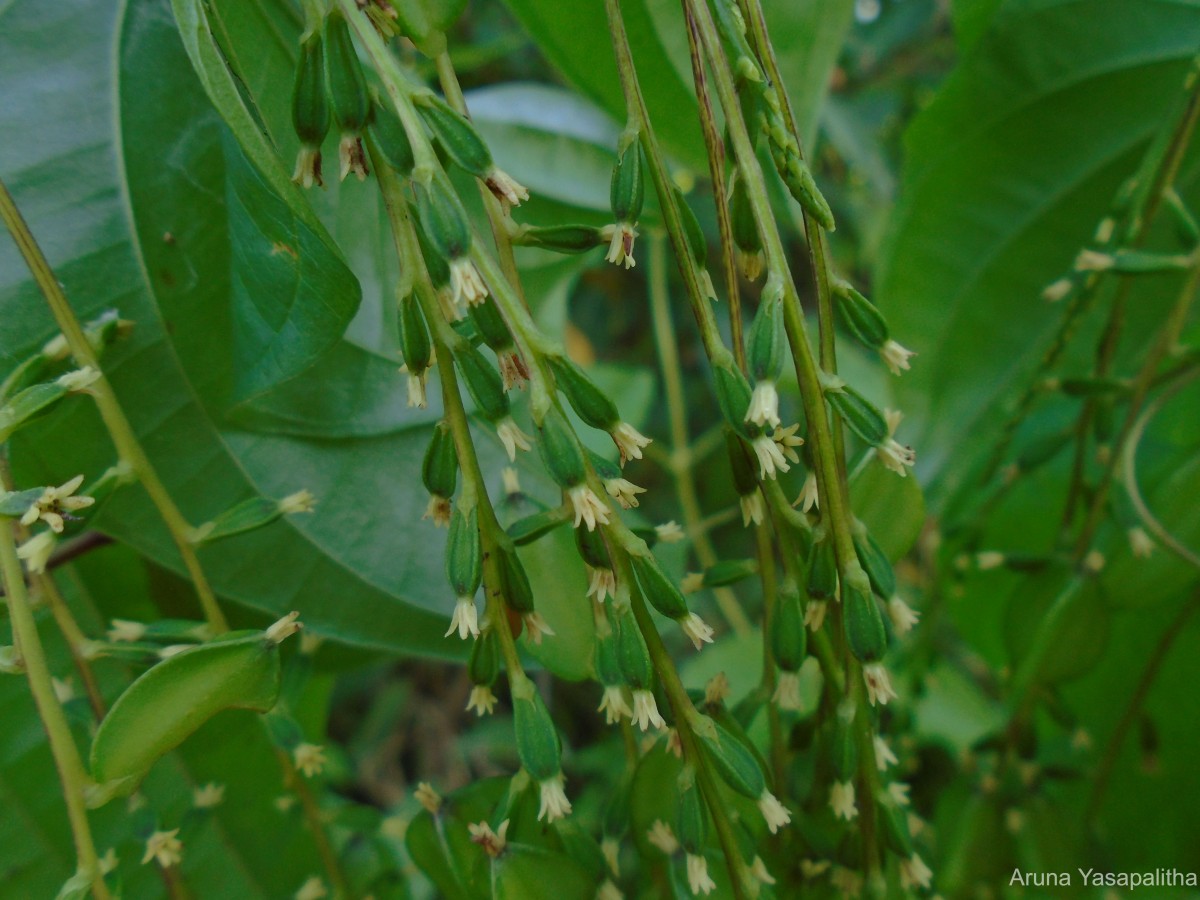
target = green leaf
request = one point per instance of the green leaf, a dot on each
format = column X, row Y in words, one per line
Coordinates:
column 292, row 302
column 892, row 508
column 531, row 873
column 1008, row 171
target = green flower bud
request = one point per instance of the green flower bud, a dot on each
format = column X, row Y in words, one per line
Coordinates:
column 865, row 634
column 439, row 473
column 860, row 315
column 692, row 820
column 691, row 227
column 464, row 553
column 350, row 101
column 843, row 747
column 538, row 745
column 728, row 572
column 733, row 397
column 514, row 581
column 800, row 183
column 559, row 238
column 744, row 480
column 589, row 402
column 822, row 569
column 391, row 140
column 310, row 110
column 415, row 345
column 789, row 637
column 443, row 218
column 633, row 659
column 608, row 662
column 876, row 564
column 483, row 383
column 859, row 413
column 736, row 765
column 560, row 450
column 627, row 190
column 893, row 822
column 744, row 230
column 435, row 264
column 657, row 588
column 592, row 548
column 483, row 667
column 457, row 135
column 242, row 517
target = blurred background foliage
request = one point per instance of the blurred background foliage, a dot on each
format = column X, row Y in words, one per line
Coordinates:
column 968, row 149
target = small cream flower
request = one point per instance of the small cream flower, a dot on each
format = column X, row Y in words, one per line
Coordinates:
column 165, row 848
column 914, row 873
column 692, row 582
column 814, row 614
column 787, row 692
column 758, row 871
column 536, row 626
column 588, row 508
column 753, row 509
column 482, row 700
column 312, row 889
column 896, row 357
column 645, row 711
column 601, row 583
column 621, row 238
column 416, row 390
column 662, row 837
column 629, row 441
column 611, row 848
column 891, row 453
column 842, row 800
column 492, row 842
column 56, row 504
column 505, row 187
column 669, row 532
column 555, row 804
column 208, row 796
column 465, row 619
column 764, row 405
column 513, row 371
column 37, row 551
column 884, row 756
column 309, row 759
column 124, row 630
column 879, row 684
column 903, row 616
column 438, row 510
column 809, row 498
column 770, row 457
column 300, row 502
column 698, row 631
column 430, row 799
column 699, row 881
column 898, row 792
column 773, row 812
column 512, row 437
column 787, row 441
column 614, row 705
column 1140, row 542
column 465, row 282
column 623, row 491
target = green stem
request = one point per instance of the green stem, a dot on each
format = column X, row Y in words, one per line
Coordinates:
column 71, row 772
column 127, row 444
column 766, row 570
column 312, row 815
column 684, row 711
column 408, row 250
column 681, row 470
column 821, row 434
column 716, row 171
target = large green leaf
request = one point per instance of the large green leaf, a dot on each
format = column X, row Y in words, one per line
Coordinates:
column 103, row 200
column 1008, row 172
